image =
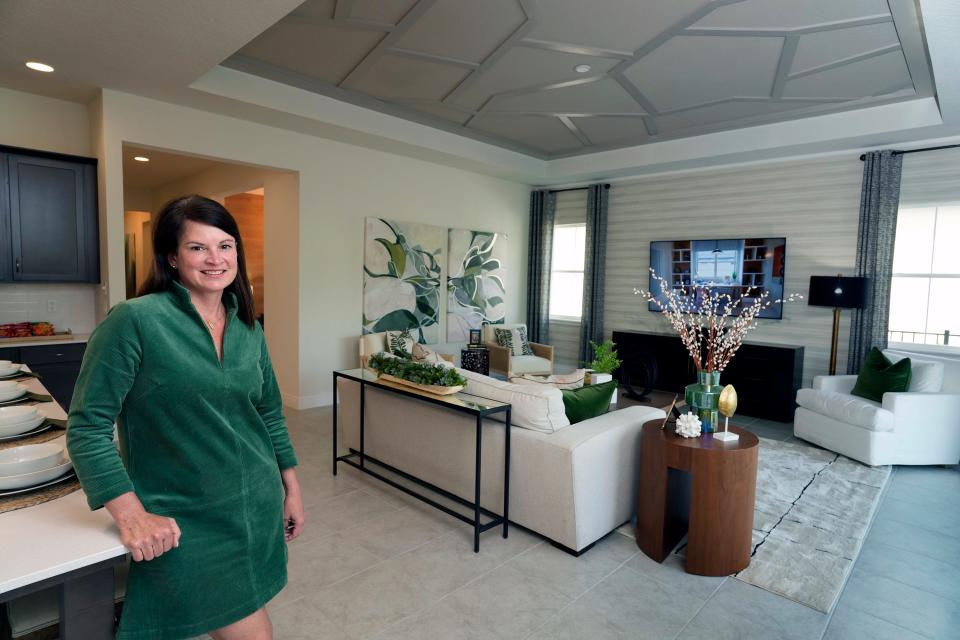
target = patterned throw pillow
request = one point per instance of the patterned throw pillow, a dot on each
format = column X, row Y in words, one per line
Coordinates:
column 400, row 343
column 514, row 339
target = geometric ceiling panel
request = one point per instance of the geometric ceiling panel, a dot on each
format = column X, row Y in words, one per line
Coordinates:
column 394, row 76
column 502, row 71
column 887, row 72
column 316, row 51
column 525, row 67
column 389, row 11
column 790, row 14
column 621, row 25
column 440, row 110
column 322, row 9
column 602, row 96
column 534, row 131
column 824, row 47
column 692, row 70
column 613, row 129
column 463, row 29
column 720, row 113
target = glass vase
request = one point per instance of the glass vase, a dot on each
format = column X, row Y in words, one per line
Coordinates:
column 703, row 398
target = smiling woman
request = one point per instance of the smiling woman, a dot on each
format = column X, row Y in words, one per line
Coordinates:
column 204, row 491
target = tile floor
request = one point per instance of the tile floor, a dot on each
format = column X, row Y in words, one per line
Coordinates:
column 374, row 563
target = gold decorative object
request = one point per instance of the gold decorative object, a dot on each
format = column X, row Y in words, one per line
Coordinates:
column 727, row 406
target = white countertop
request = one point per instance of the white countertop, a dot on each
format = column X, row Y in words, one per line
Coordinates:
column 21, row 342
column 55, row 537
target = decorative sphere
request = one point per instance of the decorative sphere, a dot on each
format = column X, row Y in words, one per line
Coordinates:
column 688, row 425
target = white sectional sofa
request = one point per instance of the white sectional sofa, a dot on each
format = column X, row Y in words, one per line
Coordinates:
column 571, row 483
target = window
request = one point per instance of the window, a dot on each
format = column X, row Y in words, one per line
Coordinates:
column 926, row 277
column 566, row 271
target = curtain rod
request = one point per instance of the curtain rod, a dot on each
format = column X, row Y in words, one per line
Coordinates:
column 605, row 186
column 900, row 153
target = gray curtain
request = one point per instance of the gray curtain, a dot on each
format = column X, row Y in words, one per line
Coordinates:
column 879, row 200
column 543, row 207
column 594, row 267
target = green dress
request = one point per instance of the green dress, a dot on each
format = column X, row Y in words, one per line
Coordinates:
column 202, row 442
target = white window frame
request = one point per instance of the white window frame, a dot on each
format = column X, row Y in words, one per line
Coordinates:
column 558, row 318
column 929, row 276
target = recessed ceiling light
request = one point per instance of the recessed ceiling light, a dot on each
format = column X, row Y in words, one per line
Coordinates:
column 39, row 66
column 141, row 158
column 582, row 68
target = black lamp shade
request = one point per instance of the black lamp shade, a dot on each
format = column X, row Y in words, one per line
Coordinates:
column 837, row 291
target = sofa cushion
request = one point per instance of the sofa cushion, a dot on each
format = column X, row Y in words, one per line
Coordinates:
column 537, row 407
column 926, row 376
column 878, row 376
column 588, row 402
column 572, row 380
column 400, row 343
column 847, row 408
column 530, row 364
column 514, row 339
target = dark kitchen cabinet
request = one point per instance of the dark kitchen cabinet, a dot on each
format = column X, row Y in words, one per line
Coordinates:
column 48, row 219
column 58, row 366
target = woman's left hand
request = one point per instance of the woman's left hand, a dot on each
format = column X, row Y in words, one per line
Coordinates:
column 293, row 514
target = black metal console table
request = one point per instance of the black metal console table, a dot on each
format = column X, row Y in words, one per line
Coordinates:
column 475, row 406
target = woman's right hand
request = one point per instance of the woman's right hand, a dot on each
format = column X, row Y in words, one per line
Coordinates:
column 145, row 535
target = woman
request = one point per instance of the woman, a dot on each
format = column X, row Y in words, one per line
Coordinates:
column 203, row 490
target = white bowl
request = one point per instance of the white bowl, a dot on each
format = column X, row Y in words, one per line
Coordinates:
column 9, row 370
column 13, row 393
column 6, row 363
column 21, row 427
column 34, row 478
column 28, row 458
column 7, row 385
column 19, row 413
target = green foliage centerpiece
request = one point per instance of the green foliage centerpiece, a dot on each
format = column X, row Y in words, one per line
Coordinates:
column 433, row 378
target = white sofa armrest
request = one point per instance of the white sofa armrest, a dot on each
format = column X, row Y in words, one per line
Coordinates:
column 839, row 384
column 923, row 408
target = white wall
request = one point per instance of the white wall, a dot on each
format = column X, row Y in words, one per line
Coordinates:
column 322, row 232
column 35, row 122
column 814, row 204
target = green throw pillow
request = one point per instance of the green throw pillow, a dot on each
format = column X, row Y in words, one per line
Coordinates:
column 588, row 402
column 878, row 376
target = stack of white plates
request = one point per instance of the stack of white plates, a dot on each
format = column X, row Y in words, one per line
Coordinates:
column 8, row 368
column 19, row 419
column 33, row 464
column 11, row 390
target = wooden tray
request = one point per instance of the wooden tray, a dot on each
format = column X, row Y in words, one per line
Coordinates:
column 429, row 388
column 56, row 336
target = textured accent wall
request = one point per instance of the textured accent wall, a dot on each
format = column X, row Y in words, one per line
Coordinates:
column 565, row 335
column 813, row 203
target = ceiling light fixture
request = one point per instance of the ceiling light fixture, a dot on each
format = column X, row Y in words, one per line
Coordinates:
column 582, row 68
column 39, row 66
column 141, row 158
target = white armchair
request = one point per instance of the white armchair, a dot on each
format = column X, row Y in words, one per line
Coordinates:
column 919, row 426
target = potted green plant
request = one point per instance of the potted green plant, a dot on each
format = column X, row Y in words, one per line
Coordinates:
column 604, row 363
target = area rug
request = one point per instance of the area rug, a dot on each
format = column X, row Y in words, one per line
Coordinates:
column 813, row 509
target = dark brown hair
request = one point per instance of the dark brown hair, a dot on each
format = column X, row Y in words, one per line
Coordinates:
column 167, row 231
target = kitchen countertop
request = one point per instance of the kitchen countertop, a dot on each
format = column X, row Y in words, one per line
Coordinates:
column 20, row 342
column 55, row 537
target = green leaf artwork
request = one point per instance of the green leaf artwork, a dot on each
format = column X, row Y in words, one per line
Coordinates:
column 401, row 278
column 475, row 291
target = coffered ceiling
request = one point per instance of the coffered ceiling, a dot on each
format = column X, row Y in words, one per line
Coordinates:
column 505, row 70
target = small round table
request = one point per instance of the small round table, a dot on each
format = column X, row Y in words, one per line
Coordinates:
column 702, row 487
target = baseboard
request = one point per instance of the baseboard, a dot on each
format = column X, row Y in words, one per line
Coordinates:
column 307, row 402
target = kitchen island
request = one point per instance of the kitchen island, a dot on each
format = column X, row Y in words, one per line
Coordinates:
column 62, row 543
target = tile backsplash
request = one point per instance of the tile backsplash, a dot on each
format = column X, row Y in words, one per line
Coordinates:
column 67, row 306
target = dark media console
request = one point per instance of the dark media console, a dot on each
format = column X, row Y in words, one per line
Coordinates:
column 766, row 376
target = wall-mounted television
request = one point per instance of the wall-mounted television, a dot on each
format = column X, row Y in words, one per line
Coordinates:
column 742, row 267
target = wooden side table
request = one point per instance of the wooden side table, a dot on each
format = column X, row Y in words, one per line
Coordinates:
column 698, row 486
